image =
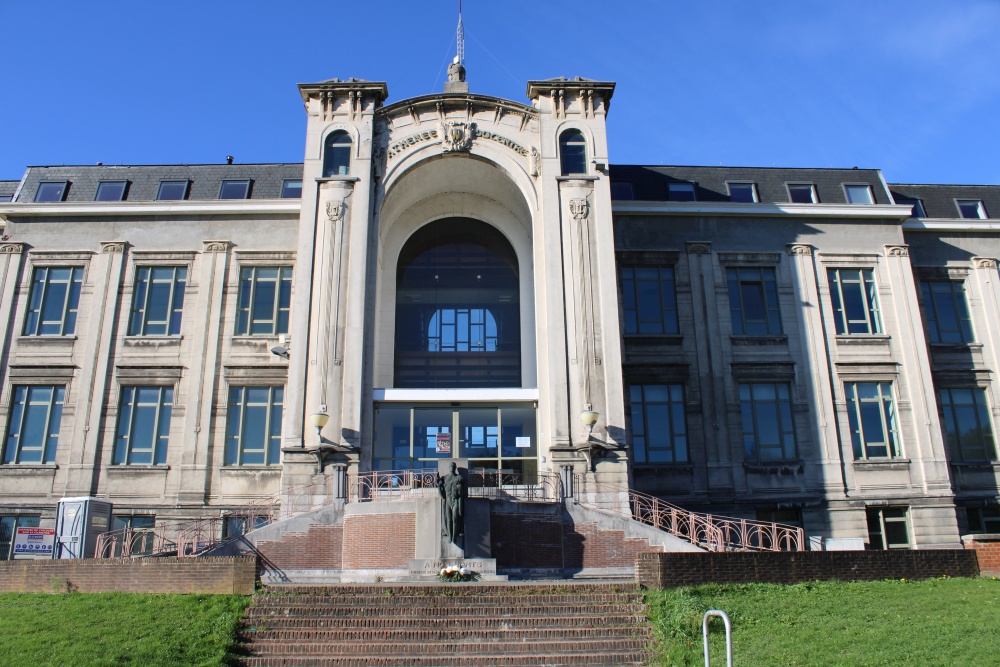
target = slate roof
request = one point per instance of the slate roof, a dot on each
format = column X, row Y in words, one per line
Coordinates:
column 651, row 183
column 7, row 189
column 205, row 180
column 939, row 200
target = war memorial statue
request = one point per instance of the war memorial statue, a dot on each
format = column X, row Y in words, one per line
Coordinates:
column 452, row 490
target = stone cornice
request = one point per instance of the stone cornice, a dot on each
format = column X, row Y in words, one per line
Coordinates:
column 169, row 208
column 763, row 210
column 456, row 101
column 376, row 89
column 987, row 226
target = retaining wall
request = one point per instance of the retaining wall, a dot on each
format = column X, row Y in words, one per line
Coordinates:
column 987, row 548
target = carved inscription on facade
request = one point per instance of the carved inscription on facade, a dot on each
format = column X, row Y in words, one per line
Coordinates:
column 457, row 136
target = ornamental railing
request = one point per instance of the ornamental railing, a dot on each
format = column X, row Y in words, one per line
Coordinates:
column 491, row 484
column 499, row 485
column 391, row 485
column 709, row 531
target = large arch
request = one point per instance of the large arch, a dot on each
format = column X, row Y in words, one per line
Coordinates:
column 452, row 186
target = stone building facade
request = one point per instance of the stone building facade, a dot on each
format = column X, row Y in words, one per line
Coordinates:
column 458, row 275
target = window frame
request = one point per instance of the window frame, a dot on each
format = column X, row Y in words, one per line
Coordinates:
column 18, row 416
column 960, row 304
column 71, row 300
column 813, row 194
column 773, row 320
column 125, row 448
column 572, row 136
column 175, row 311
column 914, row 202
column 622, row 185
column 980, row 209
column 64, row 190
column 752, row 446
column 234, row 449
column 891, row 430
column 869, row 297
column 754, row 194
column 245, row 327
column 102, row 184
column 284, row 188
column 980, row 412
column 868, row 190
column 333, row 148
column 20, row 521
column 987, row 521
column 879, row 512
column 682, row 187
column 678, row 437
column 245, row 182
column 184, row 195
column 669, row 326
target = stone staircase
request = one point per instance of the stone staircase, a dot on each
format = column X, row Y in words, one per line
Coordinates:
column 460, row 625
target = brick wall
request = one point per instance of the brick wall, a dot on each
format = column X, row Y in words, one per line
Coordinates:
column 548, row 541
column 320, row 548
column 667, row 570
column 379, row 541
column 224, row 575
column 987, row 548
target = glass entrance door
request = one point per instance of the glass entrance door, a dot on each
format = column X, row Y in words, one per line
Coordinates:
column 495, row 439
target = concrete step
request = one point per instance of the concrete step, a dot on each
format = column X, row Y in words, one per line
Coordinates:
column 376, row 648
column 387, row 600
column 459, row 588
column 561, row 611
column 476, row 634
column 539, row 660
column 389, row 622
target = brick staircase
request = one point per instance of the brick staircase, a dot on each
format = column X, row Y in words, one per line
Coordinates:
column 513, row 625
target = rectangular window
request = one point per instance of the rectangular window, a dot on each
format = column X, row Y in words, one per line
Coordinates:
column 680, row 191
column 887, row 528
column 8, row 529
column 768, row 432
column 983, row 519
column 158, row 301
column 253, row 426
column 143, row 426
column 744, row 193
column 622, row 190
column 946, row 311
column 33, row 426
column 235, row 526
column 5, row 198
column 858, row 194
column 110, row 191
column 265, row 300
column 871, row 413
column 235, row 190
column 54, row 300
column 51, row 192
column 649, row 300
column 753, row 301
column 967, row 424
column 802, row 193
column 855, row 301
column 968, row 208
column 291, row 188
column 918, row 205
column 659, row 427
column 142, row 533
column 172, row 190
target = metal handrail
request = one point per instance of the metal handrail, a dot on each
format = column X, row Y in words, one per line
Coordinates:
column 712, row 532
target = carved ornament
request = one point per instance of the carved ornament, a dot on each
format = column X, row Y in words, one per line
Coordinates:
column 534, row 162
column 699, row 249
column 456, row 135
column 580, row 208
column 897, row 251
column 335, row 210
column 11, row 248
column 113, row 246
column 800, row 249
column 216, row 246
column 984, row 262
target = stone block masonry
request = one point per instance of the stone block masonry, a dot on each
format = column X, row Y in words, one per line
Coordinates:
column 987, row 549
column 669, row 570
column 220, row 576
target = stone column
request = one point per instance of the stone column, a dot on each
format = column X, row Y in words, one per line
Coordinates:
column 815, row 350
column 106, row 273
column 983, row 282
column 196, row 462
column 11, row 261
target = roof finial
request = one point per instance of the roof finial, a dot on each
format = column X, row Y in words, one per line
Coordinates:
column 456, row 70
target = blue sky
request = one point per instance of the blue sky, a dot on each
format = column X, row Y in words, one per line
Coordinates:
column 908, row 86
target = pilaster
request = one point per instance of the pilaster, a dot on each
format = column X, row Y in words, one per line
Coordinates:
column 11, row 263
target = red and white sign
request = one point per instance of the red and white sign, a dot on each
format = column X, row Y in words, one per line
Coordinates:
column 34, row 542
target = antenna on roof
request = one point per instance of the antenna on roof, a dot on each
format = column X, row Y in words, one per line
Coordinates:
column 456, row 70
column 460, row 37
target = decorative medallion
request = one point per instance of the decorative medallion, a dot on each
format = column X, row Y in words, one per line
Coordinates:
column 335, row 210
column 456, row 135
column 800, row 249
column 580, row 208
column 897, row 251
column 112, row 247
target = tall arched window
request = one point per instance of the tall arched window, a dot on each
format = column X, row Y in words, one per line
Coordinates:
column 457, row 308
column 573, row 152
column 337, row 155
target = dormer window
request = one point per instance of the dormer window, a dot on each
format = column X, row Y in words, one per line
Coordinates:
column 51, row 192
column 971, row 208
column 235, row 190
column 802, row 193
column 172, row 190
column 573, row 153
column 337, row 155
column 680, row 192
column 110, row 191
column 858, row 193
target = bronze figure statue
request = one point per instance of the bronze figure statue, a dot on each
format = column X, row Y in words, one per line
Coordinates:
column 451, row 487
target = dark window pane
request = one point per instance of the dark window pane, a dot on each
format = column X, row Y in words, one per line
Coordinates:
column 572, row 153
column 110, row 191
column 172, row 190
column 858, row 194
column 622, row 190
column 291, row 188
column 742, row 193
column 337, row 155
column 680, row 191
column 801, row 194
column 234, row 190
column 50, row 192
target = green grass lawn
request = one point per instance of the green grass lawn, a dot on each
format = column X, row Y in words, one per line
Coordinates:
column 81, row 629
column 935, row 622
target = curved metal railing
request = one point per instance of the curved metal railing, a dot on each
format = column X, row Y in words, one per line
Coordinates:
column 390, row 485
column 714, row 533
